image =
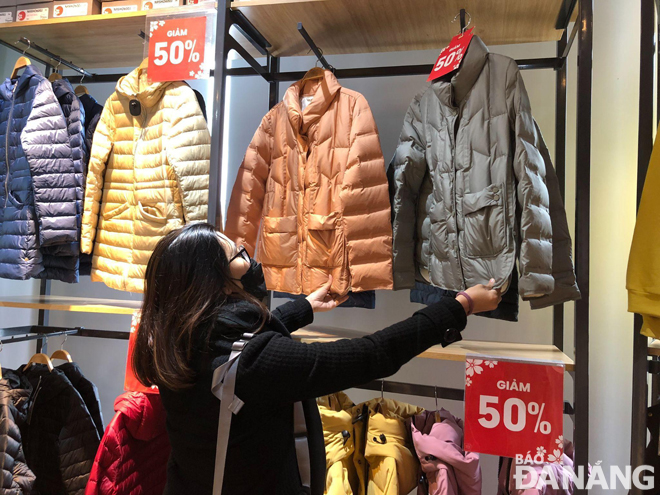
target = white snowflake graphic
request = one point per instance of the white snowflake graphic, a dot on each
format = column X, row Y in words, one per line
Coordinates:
column 490, row 364
column 473, row 366
column 560, row 440
column 153, row 25
column 540, row 450
column 191, row 73
column 468, row 381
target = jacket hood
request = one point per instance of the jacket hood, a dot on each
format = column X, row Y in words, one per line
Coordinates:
column 323, row 92
column 144, row 414
column 136, row 85
column 8, row 85
column 463, row 80
column 440, row 443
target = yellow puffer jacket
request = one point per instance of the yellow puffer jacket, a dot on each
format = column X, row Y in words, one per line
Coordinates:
column 148, row 175
column 383, row 457
column 336, row 415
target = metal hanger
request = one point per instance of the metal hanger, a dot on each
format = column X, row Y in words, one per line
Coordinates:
column 382, row 389
column 435, row 394
column 40, row 358
column 21, row 63
column 469, row 21
column 55, row 75
column 61, row 353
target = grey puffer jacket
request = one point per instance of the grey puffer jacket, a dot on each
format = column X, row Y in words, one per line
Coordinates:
column 38, row 179
column 468, row 183
column 17, row 478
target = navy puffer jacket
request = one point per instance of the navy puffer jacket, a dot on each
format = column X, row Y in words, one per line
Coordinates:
column 61, row 262
column 38, row 179
column 93, row 111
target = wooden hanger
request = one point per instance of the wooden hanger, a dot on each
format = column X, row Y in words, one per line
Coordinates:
column 314, row 73
column 21, row 63
column 40, row 358
column 81, row 90
column 61, row 353
column 54, row 76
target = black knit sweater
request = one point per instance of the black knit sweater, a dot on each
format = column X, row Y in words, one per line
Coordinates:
column 275, row 371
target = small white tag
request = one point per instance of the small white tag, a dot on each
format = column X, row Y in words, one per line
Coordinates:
column 32, row 14
column 159, row 4
column 70, row 9
column 305, row 101
column 120, row 8
column 6, row 17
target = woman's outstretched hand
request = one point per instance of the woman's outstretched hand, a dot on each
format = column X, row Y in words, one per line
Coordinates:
column 321, row 300
column 484, row 297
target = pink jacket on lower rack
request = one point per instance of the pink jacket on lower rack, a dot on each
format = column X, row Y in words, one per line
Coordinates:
column 446, row 468
column 132, row 458
column 562, row 472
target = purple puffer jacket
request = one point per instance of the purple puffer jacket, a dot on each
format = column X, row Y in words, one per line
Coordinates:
column 562, row 473
column 445, row 468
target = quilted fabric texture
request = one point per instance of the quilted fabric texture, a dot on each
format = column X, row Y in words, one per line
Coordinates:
column 88, row 392
column 61, row 262
column 17, row 478
column 337, row 418
column 92, row 109
column 383, row 457
column 59, row 436
column 312, row 187
column 468, row 183
column 38, row 195
column 148, row 175
column 132, row 458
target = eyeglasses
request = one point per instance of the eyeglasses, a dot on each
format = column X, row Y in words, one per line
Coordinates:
column 242, row 253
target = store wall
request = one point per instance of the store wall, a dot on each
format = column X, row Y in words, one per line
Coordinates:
column 613, row 177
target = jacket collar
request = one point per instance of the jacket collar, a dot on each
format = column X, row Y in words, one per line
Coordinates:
column 8, row 86
column 323, row 92
column 136, row 85
column 144, row 414
column 463, row 80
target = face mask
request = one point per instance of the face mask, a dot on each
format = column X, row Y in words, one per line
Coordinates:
column 253, row 281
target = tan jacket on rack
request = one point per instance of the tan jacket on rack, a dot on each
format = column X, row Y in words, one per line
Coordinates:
column 148, row 175
column 313, row 189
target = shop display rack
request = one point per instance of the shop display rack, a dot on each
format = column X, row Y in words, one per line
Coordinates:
column 267, row 28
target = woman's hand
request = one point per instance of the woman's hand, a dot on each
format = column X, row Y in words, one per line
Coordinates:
column 484, row 298
column 321, row 300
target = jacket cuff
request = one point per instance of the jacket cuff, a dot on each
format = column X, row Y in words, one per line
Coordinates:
column 450, row 311
column 296, row 314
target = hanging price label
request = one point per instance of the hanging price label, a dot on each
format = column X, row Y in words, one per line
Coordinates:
column 451, row 56
column 176, row 49
column 514, row 408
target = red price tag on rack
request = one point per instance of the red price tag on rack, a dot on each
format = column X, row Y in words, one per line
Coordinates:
column 176, row 49
column 451, row 56
column 514, row 408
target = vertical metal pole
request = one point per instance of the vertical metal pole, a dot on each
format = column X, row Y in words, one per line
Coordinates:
column 582, row 219
column 42, row 318
column 560, row 167
column 462, row 14
column 273, row 98
column 644, row 149
column 222, row 26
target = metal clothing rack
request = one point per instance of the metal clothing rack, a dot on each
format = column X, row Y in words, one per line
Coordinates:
column 228, row 17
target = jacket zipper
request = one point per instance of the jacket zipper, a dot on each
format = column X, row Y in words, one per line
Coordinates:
column 11, row 111
column 457, row 125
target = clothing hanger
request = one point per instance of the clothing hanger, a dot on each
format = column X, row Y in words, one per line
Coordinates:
column 21, row 63
column 40, row 358
column 61, row 353
column 81, row 90
column 55, row 75
column 314, row 73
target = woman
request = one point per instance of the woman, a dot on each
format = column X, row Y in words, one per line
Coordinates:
column 201, row 295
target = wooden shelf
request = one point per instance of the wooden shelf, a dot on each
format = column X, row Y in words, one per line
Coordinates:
column 534, row 353
column 75, row 304
column 360, row 26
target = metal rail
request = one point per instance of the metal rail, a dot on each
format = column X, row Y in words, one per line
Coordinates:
column 56, row 58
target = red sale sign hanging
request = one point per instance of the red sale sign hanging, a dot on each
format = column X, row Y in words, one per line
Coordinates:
column 176, row 49
column 514, row 408
column 451, row 56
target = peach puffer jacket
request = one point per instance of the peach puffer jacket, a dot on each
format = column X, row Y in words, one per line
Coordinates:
column 313, row 188
column 148, row 175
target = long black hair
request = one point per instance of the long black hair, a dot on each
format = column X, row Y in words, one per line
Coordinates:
column 186, row 284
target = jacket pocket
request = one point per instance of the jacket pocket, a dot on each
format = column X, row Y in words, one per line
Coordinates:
column 278, row 243
column 107, row 215
column 484, row 219
column 438, row 238
column 325, row 241
column 152, row 213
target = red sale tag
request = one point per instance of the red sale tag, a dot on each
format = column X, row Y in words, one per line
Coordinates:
column 451, row 56
column 176, row 49
column 514, row 408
